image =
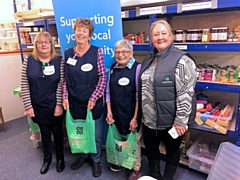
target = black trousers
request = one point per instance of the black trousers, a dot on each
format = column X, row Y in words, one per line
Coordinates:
column 152, row 139
column 56, row 129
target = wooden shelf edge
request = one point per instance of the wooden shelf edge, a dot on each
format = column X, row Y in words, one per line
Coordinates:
column 14, row 51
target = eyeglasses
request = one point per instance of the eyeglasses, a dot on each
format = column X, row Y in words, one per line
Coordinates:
column 43, row 42
column 117, row 53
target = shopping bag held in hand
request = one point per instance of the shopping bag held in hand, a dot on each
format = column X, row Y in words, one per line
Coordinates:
column 119, row 152
column 33, row 126
column 81, row 133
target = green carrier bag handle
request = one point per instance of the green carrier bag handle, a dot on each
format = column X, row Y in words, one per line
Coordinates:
column 81, row 133
column 120, row 152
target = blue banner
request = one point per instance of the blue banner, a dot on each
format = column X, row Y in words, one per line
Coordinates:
column 105, row 15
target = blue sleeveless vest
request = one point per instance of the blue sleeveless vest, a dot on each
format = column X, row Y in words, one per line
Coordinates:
column 43, row 89
column 123, row 97
column 81, row 83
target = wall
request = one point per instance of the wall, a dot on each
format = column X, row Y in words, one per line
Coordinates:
column 6, row 11
column 10, row 70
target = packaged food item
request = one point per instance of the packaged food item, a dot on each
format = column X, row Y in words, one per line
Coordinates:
column 222, row 34
column 214, row 35
column 233, row 75
column 205, row 35
column 224, row 75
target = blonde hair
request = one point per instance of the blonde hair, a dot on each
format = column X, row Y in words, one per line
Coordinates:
column 163, row 22
column 45, row 34
column 84, row 22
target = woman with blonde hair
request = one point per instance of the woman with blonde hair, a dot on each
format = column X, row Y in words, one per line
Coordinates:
column 41, row 79
column 166, row 99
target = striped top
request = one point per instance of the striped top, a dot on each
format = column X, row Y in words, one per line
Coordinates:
column 185, row 78
column 25, row 90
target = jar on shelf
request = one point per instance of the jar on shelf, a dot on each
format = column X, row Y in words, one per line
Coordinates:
column 178, row 35
column 222, row 34
column 189, row 35
column 194, row 36
column 208, row 74
column 199, row 32
column 184, row 36
column 214, row 35
column 205, row 35
column 230, row 37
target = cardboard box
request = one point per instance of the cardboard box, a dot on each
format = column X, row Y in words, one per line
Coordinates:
column 34, row 14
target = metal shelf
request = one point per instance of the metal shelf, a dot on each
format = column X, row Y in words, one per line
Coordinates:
column 173, row 9
column 197, row 47
column 26, row 46
column 230, row 133
column 41, row 22
column 30, row 46
column 50, row 21
column 232, row 88
column 141, row 47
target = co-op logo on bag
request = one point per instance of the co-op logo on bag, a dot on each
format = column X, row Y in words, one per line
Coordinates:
column 79, row 130
column 167, row 80
column 118, row 148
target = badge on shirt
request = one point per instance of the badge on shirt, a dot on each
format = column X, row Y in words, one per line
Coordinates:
column 123, row 81
column 48, row 70
column 71, row 61
column 86, row 67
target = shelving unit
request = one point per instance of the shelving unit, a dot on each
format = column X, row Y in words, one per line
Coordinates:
column 169, row 12
column 8, row 38
column 31, row 24
column 175, row 10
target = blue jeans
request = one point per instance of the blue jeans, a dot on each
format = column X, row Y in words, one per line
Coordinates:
column 95, row 158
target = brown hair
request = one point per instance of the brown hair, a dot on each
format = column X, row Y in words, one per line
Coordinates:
column 163, row 22
column 84, row 22
column 45, row 34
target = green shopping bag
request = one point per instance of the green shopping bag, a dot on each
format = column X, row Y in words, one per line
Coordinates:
column 81, row 133
column 33, row 126
column 119, row 152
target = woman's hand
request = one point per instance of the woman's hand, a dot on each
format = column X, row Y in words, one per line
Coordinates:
column 91, row 105
column 109, row 118
column 133, row 124
column 30, row 112
column 65, row 104
column 180, row 129
column 58, row 110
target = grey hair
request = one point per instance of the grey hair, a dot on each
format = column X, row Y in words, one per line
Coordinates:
column 124, row 43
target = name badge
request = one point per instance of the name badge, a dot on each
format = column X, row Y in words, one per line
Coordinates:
column 48, row 70
column 123, row 81
column 86, row 67
column 71, row 61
